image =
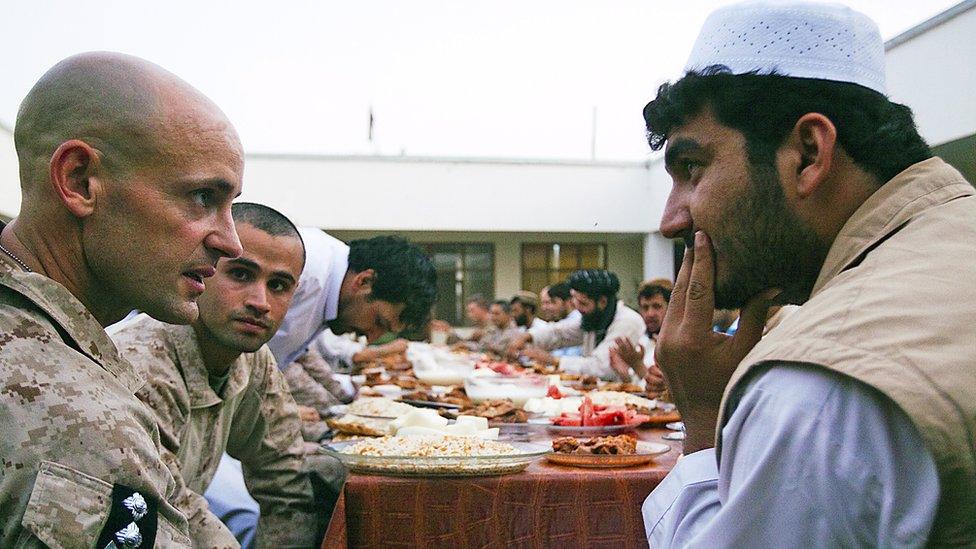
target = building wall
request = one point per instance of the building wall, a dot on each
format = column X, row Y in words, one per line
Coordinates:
column 9, row 175
column 429, row 194
column 624, row 253
column 932, row 72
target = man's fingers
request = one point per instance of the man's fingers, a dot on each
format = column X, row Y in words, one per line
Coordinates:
column 752, row 322
column 676, row 307
column 700, row 304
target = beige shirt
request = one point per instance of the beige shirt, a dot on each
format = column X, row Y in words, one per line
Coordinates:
column 894, row 308
column 70, row 425
column 596, row 357
column 254, row 420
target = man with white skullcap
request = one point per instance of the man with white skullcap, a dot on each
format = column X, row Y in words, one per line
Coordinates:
column 795, row 180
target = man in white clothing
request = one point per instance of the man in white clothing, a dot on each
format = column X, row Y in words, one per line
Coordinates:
column 371, row 287
column 796, row 180
column 524, row 306
column 627, row 359
column 603, row 319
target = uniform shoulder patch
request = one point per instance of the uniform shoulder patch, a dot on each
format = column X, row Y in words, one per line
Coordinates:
column 131, row 521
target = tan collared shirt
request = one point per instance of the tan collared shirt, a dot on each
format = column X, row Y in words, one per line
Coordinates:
column 254, row 419
column 70, row 425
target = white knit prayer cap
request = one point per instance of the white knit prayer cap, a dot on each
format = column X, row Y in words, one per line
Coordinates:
column 800, row 39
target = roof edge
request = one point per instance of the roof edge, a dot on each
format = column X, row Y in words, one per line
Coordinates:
column 646, row 164
column 930, row 23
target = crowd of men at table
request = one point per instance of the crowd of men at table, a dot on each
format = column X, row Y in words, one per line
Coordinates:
column 795, row 181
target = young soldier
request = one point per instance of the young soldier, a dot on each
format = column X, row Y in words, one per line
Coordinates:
column 214, row 386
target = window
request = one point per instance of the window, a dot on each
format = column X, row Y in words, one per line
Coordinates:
column 545, row 264
column 463, row 270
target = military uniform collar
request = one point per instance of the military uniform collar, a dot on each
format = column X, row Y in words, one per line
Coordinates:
column 202, row 395
column 73, row 319
column 919, row 187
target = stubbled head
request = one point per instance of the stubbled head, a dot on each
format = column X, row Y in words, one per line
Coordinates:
column 245, row 302
column 131, row 172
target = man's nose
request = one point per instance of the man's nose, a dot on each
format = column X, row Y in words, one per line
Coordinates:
column 257, row 300
column 223, row 239
column 676, row 221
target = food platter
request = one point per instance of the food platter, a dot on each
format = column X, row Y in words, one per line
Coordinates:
column 580, row 431
column 430, row 404
column 645, row 454
column 438, row 466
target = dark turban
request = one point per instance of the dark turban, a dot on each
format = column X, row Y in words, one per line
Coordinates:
column 595, row 283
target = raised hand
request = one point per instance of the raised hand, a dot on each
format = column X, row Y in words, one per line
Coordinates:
column 697, row 361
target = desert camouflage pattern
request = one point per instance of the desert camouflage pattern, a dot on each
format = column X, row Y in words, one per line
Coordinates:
column 70, row 425
column 255, row 420
column 496, row 340
column 312, row 383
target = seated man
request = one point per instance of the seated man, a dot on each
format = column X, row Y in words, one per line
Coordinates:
column 603, row 320
column 127, row 176
column 370, row 287
column 626, row 358
column 795, row 179
column 313, row 383
column 524, row 307
column 214, row 385
column 557, row 306
column 504, row 330
column 319, row 377
column 350, row 356
column 476, row 311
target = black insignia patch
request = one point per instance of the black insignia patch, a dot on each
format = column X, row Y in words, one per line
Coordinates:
column 131, row 521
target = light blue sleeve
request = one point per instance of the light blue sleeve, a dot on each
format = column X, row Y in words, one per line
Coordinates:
column 810, row 458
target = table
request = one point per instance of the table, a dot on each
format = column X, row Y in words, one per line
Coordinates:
column 544, row 506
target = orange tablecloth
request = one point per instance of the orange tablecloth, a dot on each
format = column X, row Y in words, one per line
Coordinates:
column 544, row 506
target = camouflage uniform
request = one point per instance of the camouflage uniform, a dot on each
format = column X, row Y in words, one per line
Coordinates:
column 72, row 435
column 313, row 383
column 255, row 419
column 496, row 340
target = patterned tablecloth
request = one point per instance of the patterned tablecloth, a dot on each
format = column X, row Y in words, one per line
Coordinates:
column 544, row 506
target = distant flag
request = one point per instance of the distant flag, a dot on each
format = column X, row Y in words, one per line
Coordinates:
column 370, row 123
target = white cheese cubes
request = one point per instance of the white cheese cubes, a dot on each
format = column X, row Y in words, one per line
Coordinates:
column 426, row 422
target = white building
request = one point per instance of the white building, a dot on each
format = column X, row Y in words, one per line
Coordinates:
column 495, row 226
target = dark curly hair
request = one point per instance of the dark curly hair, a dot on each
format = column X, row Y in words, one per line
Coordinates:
column 403, row 275
column 879, row 135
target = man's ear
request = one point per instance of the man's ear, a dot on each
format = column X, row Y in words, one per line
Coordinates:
column 603, row 301
column 362, row 282
column 73, row 167
column 814, row 140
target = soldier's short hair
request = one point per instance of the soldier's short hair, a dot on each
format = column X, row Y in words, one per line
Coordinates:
column 267, row 219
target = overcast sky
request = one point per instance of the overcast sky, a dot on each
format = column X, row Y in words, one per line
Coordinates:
column 444, row 78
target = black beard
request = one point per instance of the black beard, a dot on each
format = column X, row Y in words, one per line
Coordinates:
column 766, row 245
column 522, row 320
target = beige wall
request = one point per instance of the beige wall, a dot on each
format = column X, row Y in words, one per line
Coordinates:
column 9, row 176
column 624, row 253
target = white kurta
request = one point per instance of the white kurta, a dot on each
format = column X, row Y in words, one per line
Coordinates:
column 316, row 301
column 596, row 358
column 337, row 350
column 810, row 458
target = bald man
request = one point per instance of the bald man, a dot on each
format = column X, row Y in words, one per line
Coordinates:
column 127, row 176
